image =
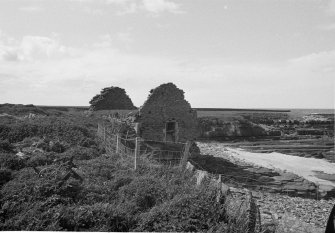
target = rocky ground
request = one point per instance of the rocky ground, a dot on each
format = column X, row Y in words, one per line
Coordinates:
column 296, row 214
column 289, row 213
column 281, row 212
column 296, row 176
column 312, row 213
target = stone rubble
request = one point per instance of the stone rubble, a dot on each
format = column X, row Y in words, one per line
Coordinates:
column 276, row 208
column 313, row 212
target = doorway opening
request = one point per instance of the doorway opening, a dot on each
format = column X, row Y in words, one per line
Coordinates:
column 171, row 131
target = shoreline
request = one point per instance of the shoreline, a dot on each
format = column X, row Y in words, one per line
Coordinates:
column 307, row 168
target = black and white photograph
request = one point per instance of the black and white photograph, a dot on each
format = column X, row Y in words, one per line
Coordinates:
column 167, row 116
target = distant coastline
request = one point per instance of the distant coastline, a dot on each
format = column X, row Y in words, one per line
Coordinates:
column 290, row 110
column 242, row 109
column 198, row 109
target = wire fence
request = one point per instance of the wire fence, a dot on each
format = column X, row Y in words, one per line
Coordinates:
column 138, row 149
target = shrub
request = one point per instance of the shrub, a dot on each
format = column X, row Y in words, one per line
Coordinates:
column 40, row 159
column 96, row 217
column 46, row 187
column 54, row 128
column 56, row 147
column 88, row 142
column 120, row 182
column 82, row 153
column 5, row 176
column 6, row 146
column 117, row 222
column 71, row 189
column 196, row 212
column 22, row 130
column 33, row 218
column 12, row 162
column 42, row 144
column 144, row 192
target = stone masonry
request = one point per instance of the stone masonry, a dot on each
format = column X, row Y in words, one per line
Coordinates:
column 167, row 116
column 112, row 98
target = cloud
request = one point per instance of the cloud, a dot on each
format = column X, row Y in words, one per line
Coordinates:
column 331, row 9
column 124, row 37
column 32, row 48
column 158, row 6
column 125, row 6
column 319, row 63
column 120, row 39
column 327, row 27
column 9, row 55
column 93, row 11
column 31, row 9
column 37, row 47
column 48, row 72
column 154, row 7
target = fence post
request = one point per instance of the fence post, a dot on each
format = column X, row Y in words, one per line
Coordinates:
column 219, row 198
column 117, row 143
column 186, row 154
column 104, row 134
column 136, row 152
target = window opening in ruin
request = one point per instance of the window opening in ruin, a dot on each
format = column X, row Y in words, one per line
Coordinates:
column 171, row 131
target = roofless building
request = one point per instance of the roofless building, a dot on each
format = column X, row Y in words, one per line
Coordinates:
column 167, row 116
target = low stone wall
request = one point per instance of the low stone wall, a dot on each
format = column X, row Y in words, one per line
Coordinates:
column 275, row 209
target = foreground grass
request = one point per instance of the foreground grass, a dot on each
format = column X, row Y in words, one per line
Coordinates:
column 112, row 196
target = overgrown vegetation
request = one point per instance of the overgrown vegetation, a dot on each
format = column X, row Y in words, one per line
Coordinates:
column 20, row 109
column 111, row 198
column 35, row 195
column 61, row 180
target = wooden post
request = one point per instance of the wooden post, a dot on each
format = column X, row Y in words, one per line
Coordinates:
column 219, row 190
column 186, row 154
column 117, row 143
column 104, row 134
column 136, row 152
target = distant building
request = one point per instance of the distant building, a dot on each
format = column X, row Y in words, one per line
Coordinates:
column 167, row 116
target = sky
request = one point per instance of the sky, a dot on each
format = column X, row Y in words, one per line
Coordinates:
column 222, row 53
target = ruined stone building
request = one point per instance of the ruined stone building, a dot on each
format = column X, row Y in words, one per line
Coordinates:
column 167, row 116
column 111, row 98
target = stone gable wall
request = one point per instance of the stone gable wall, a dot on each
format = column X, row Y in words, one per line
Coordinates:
column 165, row 103
column 112, row 98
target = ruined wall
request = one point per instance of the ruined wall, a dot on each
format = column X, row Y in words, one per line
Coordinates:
column 111, row 98
column 165, row 103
